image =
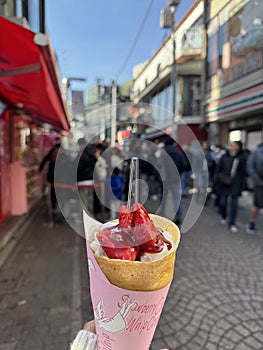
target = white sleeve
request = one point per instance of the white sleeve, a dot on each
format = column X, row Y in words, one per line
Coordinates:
column 84, row 340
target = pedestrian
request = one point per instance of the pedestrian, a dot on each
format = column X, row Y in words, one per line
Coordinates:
column 203, row 163
column 100, row 176
column 63, row 184
column 116, row 158
column 86, row 161
column 50, row 159
column 219, row 151
column 173, row 166
column 230, row 181
column 116, row 187
column 186, row 174
column 255, row 171
column 158, row 163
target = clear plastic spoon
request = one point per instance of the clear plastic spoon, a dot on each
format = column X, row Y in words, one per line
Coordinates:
column 134, row 177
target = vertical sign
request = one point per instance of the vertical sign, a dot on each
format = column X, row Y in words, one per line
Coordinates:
column 77, row 98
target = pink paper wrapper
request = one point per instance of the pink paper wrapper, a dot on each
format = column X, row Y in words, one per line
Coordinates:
column 124, row 319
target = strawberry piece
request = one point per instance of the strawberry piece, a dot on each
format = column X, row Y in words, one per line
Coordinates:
column 139, row 215
column 143, row 229
column 117, row 245
column 144, row 234
column 124, row 217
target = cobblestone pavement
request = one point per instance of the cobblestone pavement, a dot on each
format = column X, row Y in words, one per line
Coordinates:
column 39, row 308
column 215, row 301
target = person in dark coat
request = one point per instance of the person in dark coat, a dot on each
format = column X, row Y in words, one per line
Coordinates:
column 172, row 166
column 204, row 164
column 255, row 171
column 230, row 180
column 50, row 159
column 86, row 162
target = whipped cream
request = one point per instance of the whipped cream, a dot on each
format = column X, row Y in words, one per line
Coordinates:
column 95, row 244
column 146, row 257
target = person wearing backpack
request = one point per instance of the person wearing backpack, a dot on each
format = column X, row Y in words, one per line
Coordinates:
column 255, row 171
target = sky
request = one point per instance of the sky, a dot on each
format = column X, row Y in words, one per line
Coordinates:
column 92, row 38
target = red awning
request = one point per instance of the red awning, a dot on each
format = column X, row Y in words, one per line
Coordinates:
column 29, row 81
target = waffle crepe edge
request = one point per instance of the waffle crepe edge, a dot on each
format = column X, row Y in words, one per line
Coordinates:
column 143, row 276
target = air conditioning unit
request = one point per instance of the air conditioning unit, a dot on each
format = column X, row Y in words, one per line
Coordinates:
column 22, row 21
column 167, row 18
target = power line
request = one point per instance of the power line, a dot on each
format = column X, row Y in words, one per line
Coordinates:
column 135, row 41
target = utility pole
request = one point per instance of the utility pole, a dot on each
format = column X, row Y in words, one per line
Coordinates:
column 100, row 101
column 67, row 84
column 167, row 20
column 113, row 112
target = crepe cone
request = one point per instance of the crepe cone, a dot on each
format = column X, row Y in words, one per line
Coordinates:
column 143, row 276
column 128, row 296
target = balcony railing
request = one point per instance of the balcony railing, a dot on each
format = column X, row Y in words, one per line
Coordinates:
column 191, row 43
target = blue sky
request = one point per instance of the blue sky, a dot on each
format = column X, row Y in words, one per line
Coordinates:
column 93, row 38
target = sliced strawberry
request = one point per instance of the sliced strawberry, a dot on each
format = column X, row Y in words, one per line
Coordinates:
column 117, row 245
column 124, row 217
column 143, row 228
column 144, row 234
column 153, row 246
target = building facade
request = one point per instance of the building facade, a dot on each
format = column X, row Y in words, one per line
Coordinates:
column 234, row 71
column 98, row 113
column 28, row 13
column 153, row 80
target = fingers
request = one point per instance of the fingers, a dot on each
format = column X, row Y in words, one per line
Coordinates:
column 90, row 326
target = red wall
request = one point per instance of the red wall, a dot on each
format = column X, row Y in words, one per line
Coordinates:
column 5, row 172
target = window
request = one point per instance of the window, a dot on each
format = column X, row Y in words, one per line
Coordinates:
column 222, row 40
column 212, row 55
column 191, row 97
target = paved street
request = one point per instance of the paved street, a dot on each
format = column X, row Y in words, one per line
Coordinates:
column 215, row 301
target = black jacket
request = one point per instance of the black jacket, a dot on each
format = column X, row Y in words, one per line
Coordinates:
column 238, row 183
column 50, row 158
column 255, row 165
column 174, row 164
column 86, row 162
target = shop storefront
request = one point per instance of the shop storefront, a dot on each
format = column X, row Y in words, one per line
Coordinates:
column 31, row 108
column 235, row 72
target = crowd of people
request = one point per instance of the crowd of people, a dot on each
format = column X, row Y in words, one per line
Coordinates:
column 218, row 173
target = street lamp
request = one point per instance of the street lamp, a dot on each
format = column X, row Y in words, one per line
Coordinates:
column 67, row 81
column 167, row 20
